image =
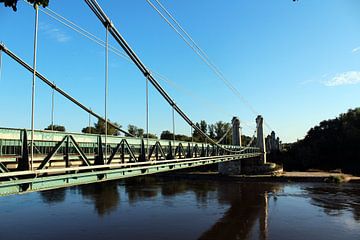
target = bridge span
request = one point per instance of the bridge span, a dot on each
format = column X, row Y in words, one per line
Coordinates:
column 66, row 159
column 34, row 160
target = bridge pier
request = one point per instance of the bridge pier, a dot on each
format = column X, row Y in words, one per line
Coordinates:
column 248, row 166
column 260, row 139
column 233, row 167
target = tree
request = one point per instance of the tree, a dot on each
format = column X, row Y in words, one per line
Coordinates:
column 245, row 140
column 211, row 130
column 333, row 144
column 151, row 135
column 55, row 128
column 99, row 128
column 203, row 127
column 166, row 135
column 135, row 131
column 181, row 137
column 220, row 128
column 89, row 130
column 13, row 3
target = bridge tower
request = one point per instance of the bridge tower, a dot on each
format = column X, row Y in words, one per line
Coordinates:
column 233, row 167
column 236, row 132
column 260, row 140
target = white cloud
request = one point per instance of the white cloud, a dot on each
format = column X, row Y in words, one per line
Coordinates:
column 346, row 78
column 355, row 50
column 58, row 35
column 55, row 33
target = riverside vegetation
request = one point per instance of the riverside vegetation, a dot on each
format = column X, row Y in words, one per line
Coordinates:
column 333, row 144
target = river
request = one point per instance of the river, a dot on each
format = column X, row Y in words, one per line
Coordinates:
column 167, row 208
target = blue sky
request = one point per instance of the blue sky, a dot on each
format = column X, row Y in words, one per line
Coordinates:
column 296, row 63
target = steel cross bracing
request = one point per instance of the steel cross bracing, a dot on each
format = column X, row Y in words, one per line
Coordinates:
column 64, row 159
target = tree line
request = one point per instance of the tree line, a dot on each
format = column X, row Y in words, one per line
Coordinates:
column 215, row 131
column 333, row 144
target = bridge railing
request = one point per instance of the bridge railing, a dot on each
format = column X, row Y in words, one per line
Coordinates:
column 60, row 149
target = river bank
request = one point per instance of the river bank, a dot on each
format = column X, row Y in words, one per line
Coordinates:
column 311, row 176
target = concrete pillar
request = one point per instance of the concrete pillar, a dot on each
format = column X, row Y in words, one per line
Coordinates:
column 260, row 138
column 236, row 132
column 232, row 167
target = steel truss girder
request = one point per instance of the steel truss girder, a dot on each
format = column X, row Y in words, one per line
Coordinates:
column 158, row 149
column 121, row 146
column 66, row 140
column 83, row 175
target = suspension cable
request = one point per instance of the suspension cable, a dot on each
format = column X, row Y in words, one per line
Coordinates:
column 226, row 133
column 52, row 108
column 147, row 115
column 203, row 57
column 95, row 7
column 106, row 87
column 87, row 34
column 59, row 90
column 33, row 87
column 95, row 39
column 201, row 53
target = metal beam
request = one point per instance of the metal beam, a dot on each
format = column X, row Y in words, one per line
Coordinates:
column 40, row 183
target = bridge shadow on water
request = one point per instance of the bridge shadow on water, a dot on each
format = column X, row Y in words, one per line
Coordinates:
column 246, row 205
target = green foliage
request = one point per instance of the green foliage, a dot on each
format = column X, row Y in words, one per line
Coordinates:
column 99, row 128
column 216, row 131
column 220, row 129
column 13, row 3
column 336, row 179
column 245, row 140
column 135, row 131
column 92, row 130
column 211, row 131
column 196, row 134
column 43, row 3
column 167, row 135
column 151, row 135
column 55, row 128
column 332, row 144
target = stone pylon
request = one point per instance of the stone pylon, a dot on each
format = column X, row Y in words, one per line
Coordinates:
column 236, row 132
column 260, row 140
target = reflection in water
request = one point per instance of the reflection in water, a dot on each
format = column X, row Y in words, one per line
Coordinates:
column 248, row 205
column 248, row 202
column 53, row 196
column 141, row 188
column 243, row 207
column 334, row 199
column 105, row 196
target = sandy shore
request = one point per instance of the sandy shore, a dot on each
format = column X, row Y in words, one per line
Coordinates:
column 313, row 176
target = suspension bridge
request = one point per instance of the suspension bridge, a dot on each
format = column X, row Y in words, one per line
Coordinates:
column 35, row 160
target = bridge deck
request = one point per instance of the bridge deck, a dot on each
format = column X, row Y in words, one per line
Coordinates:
column 28, row 181
column 66, row 159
